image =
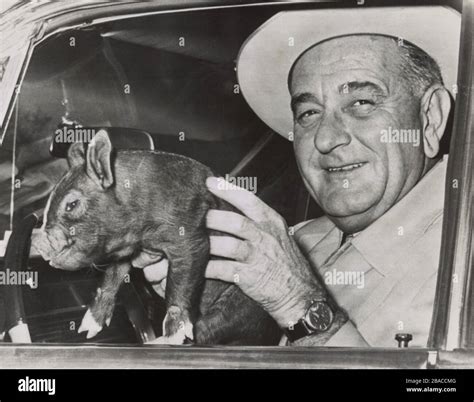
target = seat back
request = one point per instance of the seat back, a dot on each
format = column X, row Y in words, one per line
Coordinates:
column 120, row 137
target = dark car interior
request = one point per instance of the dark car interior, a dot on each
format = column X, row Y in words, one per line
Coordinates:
column 170, row 75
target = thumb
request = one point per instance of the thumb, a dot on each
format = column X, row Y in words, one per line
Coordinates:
column 156, row 272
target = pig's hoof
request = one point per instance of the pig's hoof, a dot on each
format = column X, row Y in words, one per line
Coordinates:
column 176, row 339
column 184, row 335
column 90, row 325
column 168, row 340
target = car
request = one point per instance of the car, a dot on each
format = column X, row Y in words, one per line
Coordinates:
column 161, row 75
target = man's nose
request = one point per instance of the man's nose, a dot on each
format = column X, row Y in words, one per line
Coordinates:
column 330, row 133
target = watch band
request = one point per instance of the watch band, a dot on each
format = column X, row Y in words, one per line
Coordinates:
column 297, row 331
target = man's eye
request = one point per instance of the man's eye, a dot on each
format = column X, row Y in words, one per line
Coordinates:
column 363, row 102
column 362, row 107
column 71, row 205
column 307, row 118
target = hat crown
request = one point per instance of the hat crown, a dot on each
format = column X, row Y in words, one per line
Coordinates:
column 266, row 58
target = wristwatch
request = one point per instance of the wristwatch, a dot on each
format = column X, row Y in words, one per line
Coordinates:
column 317, row 319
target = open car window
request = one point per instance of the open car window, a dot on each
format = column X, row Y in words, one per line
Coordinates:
column 188, row 102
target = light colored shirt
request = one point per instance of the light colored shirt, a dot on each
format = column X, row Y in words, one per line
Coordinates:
column 385, row 277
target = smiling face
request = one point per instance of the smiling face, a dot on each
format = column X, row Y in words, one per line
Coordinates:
column 345, row 93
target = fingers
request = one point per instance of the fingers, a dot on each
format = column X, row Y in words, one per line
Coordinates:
column 227, row 271
column 160, row 288
column 144, row 259
column 233, row 223
column 243, row 200
column 156, row 272
column 230, row 247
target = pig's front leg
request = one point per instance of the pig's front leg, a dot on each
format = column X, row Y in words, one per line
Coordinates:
column 188, row 259
column 101, row 309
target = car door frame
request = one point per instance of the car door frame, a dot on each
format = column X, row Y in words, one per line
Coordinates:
column 453, row 314
column 452, row 261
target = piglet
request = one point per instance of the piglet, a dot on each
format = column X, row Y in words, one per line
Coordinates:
column 124, row 207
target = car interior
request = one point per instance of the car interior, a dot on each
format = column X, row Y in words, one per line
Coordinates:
column 170, row 77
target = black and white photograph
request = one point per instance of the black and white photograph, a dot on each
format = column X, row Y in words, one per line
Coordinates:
column 195, row 185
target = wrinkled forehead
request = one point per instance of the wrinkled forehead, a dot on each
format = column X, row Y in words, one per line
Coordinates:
column 374, row 55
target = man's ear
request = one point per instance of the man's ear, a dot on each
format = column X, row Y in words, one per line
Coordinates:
column 76, row 154
column 98, row 160
column 435, row 107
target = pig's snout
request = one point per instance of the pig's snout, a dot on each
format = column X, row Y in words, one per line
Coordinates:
column 51, row 242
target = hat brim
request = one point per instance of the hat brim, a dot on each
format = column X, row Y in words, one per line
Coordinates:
column 267, row 56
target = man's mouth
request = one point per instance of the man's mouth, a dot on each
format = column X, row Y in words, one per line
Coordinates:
column 345, row 168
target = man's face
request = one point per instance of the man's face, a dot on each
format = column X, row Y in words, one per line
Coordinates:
column 345, row 93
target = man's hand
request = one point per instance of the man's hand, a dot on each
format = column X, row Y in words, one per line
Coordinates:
column 156, row 275
column 265, row 261
column 155, row 270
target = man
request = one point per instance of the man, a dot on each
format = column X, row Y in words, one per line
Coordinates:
column 364, row 101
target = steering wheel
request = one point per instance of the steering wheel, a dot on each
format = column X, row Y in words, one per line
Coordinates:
column 16, row 260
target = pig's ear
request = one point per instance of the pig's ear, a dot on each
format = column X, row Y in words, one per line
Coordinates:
column 98, row 160
column 76, row 154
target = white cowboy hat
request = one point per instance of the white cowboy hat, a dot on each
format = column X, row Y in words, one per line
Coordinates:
column 267, row 56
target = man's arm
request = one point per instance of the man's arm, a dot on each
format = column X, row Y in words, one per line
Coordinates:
column 266, row 263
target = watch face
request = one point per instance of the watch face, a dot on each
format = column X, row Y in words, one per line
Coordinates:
column 319, row 316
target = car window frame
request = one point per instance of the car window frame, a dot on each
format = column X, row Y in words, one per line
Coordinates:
column 452, row 321
column 14, row 72
column 440, row 314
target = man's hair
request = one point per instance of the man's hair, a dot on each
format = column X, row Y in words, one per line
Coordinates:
column 420, row 70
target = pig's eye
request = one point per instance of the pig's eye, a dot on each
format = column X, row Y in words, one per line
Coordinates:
column 71, row 205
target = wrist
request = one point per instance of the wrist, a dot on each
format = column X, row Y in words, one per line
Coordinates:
column 290, row 314
column 318, row 319
column 295, row 306
column 322, row 339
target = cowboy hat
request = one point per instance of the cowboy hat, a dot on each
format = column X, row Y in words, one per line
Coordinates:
column 265, row 59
